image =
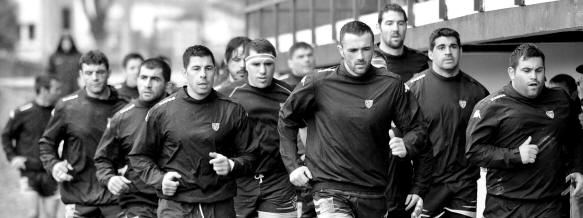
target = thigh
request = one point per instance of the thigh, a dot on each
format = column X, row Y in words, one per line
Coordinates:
column 220, row 209
column 79, row 211
column 245, row 202
column 307, row 203
column 329, row 205
column 278, row 196
column 497, row 207
column 368, row 205
column 140, row 210
column 111, row 211
column 435, row 200
column 174, row 209
column 463, row 200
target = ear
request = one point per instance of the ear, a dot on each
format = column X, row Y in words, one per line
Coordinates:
column 340, row 50
column 378, row 26
column 430, row 54
column 289, row 63
column 511, row 73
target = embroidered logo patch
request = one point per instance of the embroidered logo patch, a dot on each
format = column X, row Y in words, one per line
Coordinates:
column 216, row 126
column 477, row 114
column 463, row 103
column 551, row 114
column 368, row 103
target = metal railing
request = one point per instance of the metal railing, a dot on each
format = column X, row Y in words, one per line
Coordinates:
column 270, row 11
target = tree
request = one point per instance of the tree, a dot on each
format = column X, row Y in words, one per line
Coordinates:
column 8, row 25
column 96, row 12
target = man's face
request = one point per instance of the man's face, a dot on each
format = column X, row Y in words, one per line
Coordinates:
column 95, row 77
column 393, row 29
column 236, row 64
column 131, row 69
column 302, row 62
column 200, row 74
column 260, row 70
column 528, row 78
column 54, row 92
column 445, row 55
column 357, row 52
column 151, row 84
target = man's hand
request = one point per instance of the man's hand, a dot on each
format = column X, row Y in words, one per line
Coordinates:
column 414, row 200
column 18, row 162
column 300, row 176
column 170, row 183
column 577, row 179
column 60, row 171
column 221, row 164
column 118, row 184
column 528, row 151
column 397, row 145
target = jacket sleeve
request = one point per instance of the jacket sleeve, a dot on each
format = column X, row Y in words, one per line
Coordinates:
column 480, row 135
column 146, row 151
column 422, row 172
column 575, row 138
column 54, row 133
column 8, row 134
column 291, row 118
column 108, row 154
column 247, row 148
column 409, row 119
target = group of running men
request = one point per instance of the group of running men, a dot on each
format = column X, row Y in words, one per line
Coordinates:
column 388, row 132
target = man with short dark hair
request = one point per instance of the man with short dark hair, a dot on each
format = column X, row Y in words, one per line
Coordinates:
column 447, row 96
column 111, row 157
column 194, row 144
column 349, row 110
column 266, row 192
column 79, row 121
column 131, row 66
column 391, row 53
column 529, row 139
column 301, row 62
column 20, row 140
column 234, row 59
column 398, row 58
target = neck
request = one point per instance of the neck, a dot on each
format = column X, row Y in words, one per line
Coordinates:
column 195, row 95
column 392, row 51
column 103, row 95
column 42, row 101
column 446, row 73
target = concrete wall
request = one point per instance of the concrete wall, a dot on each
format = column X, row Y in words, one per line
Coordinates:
column 490, row 68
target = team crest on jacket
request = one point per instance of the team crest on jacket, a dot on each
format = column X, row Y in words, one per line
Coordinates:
column 463, row 103
column 368, row 103
column 551, row 114
column 216, row 126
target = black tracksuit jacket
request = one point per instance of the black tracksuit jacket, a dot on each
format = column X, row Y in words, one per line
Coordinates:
column 114, row 147
column 79, row 121
column 447, row 105
column 349, row 119
column 178, row 135
column 22, row 132
column 262, row 106
column 502, row 121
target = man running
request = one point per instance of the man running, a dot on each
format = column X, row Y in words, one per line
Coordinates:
column 235, row 60
column 529, row 139
column 131, row 66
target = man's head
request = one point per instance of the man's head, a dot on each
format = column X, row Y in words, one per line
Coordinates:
column 131, row 65
column 392, row 22
column 260, row 63
column 445, row 50
column 234, row 58
column 199, row 68
column 356, row 47
column 94, row 71
column 152, row 79
column 48, row 88
column 527, row 70
column 301, row 59
column 564, row 82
